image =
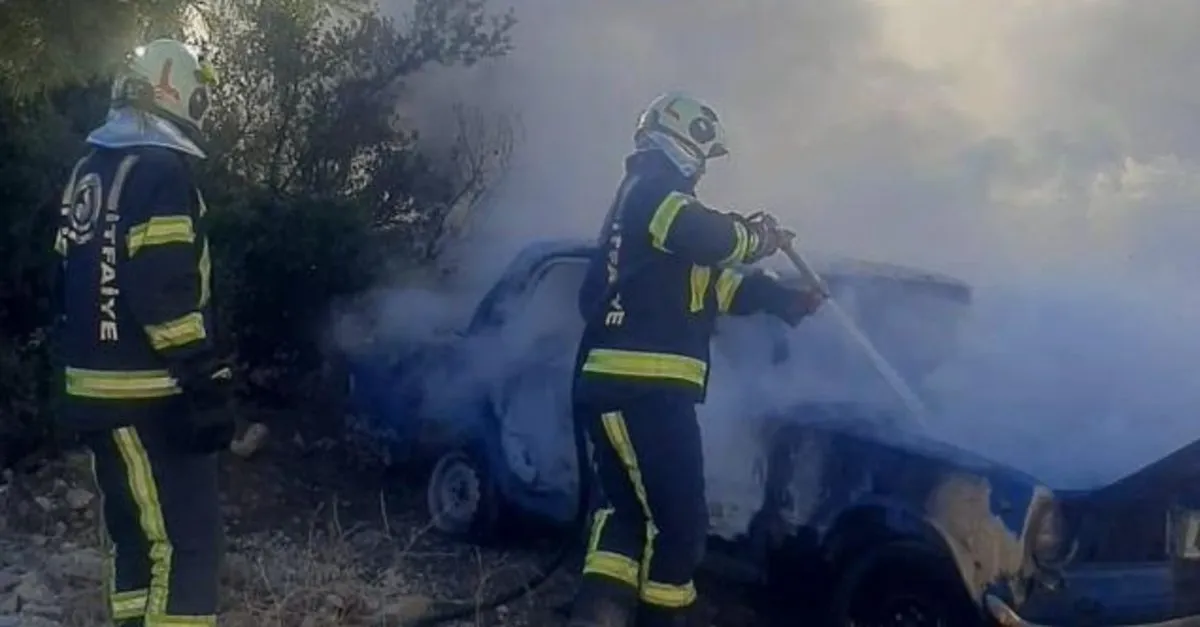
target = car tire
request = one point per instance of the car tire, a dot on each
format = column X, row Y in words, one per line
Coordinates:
column 461, row 497
column 902, row 584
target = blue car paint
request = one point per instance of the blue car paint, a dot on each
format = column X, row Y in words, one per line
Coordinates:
column 975, row 510
column 979, row 511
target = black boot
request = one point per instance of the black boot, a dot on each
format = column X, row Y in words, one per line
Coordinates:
column 697, row 615
column 603, row 604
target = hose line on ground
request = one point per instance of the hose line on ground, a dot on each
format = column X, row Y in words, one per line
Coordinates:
column 445, row 612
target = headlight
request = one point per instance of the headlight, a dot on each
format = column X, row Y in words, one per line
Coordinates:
column 1049, row 541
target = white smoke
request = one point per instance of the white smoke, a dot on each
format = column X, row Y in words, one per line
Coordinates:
column 1046, row 152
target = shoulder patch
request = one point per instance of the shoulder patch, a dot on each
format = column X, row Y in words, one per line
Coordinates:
column 84, row 209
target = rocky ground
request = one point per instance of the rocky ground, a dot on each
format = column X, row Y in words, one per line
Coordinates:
column 313, row 542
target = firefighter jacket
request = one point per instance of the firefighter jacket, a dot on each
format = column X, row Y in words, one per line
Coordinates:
column 135, row 282
column 651, row 297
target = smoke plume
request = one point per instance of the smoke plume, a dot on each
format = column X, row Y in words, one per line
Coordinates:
column 1047, row 153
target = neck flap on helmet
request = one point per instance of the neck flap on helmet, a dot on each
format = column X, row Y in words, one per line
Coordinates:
column 689, row 164
column 127, row 127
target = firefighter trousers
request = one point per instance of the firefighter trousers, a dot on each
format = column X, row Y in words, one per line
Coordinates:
column 162, row 526
column 650, row 537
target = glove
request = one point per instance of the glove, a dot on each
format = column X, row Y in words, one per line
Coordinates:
column 208, row 424
column 765, row 235
column 797, row 304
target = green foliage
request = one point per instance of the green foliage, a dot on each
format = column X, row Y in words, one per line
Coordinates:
column 312, row 182
column 37, row 147
column 280, row 264
column 49, row 44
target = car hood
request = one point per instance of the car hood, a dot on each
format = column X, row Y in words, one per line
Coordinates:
column 886, row 428
column 1176, row 474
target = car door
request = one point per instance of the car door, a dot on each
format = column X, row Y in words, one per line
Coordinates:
column 735, row 452
column 533, row 403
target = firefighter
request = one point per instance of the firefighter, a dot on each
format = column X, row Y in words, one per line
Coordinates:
column 650, row 300
column 144, row 389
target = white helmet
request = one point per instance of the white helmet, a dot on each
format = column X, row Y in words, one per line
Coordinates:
column 168, row 78
column 685, row 128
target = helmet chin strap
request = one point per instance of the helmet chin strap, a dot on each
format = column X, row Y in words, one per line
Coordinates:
column 690, row 166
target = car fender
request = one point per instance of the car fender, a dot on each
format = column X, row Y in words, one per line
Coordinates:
column 872, row 524
column 846, row 492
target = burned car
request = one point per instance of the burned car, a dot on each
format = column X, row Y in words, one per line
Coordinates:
column 816, row 484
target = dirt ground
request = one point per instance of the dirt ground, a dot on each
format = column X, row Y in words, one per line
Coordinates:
column 313, row 541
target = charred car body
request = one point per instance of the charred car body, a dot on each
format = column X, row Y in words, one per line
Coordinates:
column 813, row 484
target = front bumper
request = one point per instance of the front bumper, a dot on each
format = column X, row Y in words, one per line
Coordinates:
column 1006, row 616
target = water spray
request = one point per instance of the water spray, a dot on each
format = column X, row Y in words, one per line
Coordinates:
column 912, row 402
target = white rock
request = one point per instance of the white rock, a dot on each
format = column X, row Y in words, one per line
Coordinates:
column 8, row 580
column 33, row 589
column 78, row 498
column 43, row 610
column 79, row 564
column 406, row 608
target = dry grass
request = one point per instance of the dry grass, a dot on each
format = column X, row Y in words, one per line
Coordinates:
column 272, row 581
column 376, row 573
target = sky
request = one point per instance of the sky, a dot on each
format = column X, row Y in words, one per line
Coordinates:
column 1048, row 152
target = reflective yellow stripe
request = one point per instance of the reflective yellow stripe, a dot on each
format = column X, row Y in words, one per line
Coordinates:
column 205, row 259
column 114, row 193
column 60, row 243
column 668, row 595
column 144, row 490
column 618, row 435
column 728, row 283
column 614, row 565
column 743, row 241
column 664, row 217
column 120, row 384
column 129, row 604
column 598, row 520
column 647, row 365
column 160, row 230
column 180, row 621
column 205, row 276
column 700, row 278
column 177, row 332
column 107, row 549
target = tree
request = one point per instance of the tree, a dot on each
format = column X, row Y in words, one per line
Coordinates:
column 46, row 45
column 323, row 174
column 312, row 181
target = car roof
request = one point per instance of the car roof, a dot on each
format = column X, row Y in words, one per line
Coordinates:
column 834, row 267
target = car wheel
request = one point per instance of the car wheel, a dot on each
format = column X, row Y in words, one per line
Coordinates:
column 461, row 497
column 902, row 585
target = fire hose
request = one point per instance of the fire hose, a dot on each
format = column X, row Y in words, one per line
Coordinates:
column 445, row 612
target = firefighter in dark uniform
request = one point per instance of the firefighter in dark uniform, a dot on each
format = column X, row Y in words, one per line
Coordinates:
column 144, row 389
column 650, row 304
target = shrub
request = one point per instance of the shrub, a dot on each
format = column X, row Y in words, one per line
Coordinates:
column 312, row 182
